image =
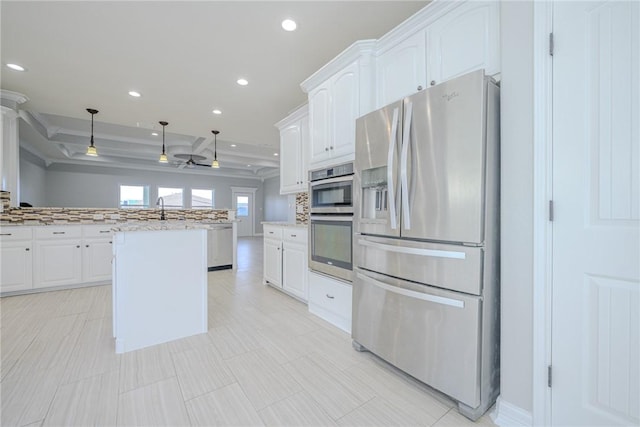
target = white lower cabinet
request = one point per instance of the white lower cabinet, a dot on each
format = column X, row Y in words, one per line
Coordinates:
column 285, row 259
column 330, row 299
column 58, row 256
column 16, row 259
column 97, row 253
column 273, row 262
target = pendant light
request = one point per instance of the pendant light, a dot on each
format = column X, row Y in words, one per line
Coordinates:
column 163, row 156
column 215, row 163
column 91, row 149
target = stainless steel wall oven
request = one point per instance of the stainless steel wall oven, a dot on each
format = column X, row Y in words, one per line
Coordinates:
column 331, row 225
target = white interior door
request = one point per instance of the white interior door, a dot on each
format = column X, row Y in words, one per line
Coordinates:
column 596, row 149
column 243, row 203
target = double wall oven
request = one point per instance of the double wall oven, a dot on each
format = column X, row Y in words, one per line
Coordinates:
column 331, row 225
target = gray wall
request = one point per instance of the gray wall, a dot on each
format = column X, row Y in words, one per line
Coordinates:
column 69, row 185
column 32, row 179
column 275, row 206
column 517, row 203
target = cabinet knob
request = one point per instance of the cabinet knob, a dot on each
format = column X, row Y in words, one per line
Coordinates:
column 433, row 82
column 331, row 147
column 110, row 242
column 27, row 249
column 330, row 296
column 420, row 87
column 326, row 149
column 86, row 246
column 77, row 246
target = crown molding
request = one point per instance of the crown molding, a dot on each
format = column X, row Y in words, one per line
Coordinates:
column 351, row 54
column 14, row 97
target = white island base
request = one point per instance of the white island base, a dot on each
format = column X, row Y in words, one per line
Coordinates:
column 159, row 286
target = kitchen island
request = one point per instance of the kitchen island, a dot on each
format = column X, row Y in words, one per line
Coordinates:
column 159, row 283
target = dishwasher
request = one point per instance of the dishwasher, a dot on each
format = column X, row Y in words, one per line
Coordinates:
column 220, row 247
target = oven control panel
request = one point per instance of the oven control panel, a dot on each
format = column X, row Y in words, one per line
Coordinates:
column 340, row 170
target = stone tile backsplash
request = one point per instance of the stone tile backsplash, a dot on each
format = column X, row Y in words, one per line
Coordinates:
column 302, row 199
column 94, row 215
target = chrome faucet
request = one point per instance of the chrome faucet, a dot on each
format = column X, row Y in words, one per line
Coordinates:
column 158, row 202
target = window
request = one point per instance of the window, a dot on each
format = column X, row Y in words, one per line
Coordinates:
column 242, row 205
column 172, row 197
column 201, row 199
column 134, row 196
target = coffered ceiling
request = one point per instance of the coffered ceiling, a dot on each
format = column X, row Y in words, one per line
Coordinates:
column 184, row 58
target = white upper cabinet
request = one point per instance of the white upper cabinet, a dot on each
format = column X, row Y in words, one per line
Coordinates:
column 465, row 39
column 401, row 70
column 294, row 140
column 339, row 93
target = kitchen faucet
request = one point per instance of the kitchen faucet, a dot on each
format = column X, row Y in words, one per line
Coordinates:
column 160, row 199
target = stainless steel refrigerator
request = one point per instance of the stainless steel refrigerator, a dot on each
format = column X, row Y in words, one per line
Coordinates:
column 426, row 244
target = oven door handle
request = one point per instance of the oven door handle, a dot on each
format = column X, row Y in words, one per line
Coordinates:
column 345, row 178
column 348, row 218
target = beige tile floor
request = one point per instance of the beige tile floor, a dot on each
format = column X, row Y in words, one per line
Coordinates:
column 264, row 361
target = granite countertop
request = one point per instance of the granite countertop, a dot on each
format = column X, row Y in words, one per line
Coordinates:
column 285, row 224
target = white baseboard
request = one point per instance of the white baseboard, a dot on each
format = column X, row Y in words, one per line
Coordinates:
column 509, row 415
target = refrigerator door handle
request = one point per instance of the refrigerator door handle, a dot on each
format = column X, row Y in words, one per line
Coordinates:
column 390, row 184
column 404, row 165
column 414, row 251
column 412, row 294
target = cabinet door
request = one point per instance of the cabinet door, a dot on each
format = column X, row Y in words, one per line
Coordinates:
column 464, row 40
column 57, row 262
column 291, row 180
column 17, row 266
column 402, row 70
column 319, row 124
column 344, row 111
column 273, row 262
column 96, row 260
column 294, row 269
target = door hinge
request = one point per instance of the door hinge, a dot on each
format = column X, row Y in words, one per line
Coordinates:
column 550, row 210
column 549, row 376
column 551, row 44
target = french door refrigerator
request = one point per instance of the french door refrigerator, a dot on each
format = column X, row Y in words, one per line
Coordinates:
column 426, row 244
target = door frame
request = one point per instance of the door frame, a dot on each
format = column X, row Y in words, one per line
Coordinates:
column 251, row 190
column 542, row 195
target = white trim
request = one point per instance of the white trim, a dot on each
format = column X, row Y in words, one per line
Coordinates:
column 508, row 414
column 542, row 193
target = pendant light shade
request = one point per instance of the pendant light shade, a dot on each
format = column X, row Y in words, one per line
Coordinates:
column 91, row 149
column 163, row 156
column 215, row 164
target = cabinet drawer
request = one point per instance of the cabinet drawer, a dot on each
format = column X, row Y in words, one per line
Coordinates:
column 273, row 232
column 97, row 230
column 331, row 300
column 294, row 234
column 58, row 232
column 9, row 234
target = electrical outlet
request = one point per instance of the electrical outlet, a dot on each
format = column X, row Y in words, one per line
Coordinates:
column 98, row 216
column 299, row 209
column 115, row 216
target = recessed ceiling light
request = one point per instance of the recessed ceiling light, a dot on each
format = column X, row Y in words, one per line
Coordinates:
column 135, row 94
column 154, row 133
column 233, row 145
column 243, row 82
column 289, row 25
column 16, row 67
column 275, row 154
column 217, row 112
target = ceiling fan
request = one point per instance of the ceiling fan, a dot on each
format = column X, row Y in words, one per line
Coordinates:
column 192, row 160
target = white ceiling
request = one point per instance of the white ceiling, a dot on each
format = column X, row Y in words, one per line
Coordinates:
column 184, row 57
